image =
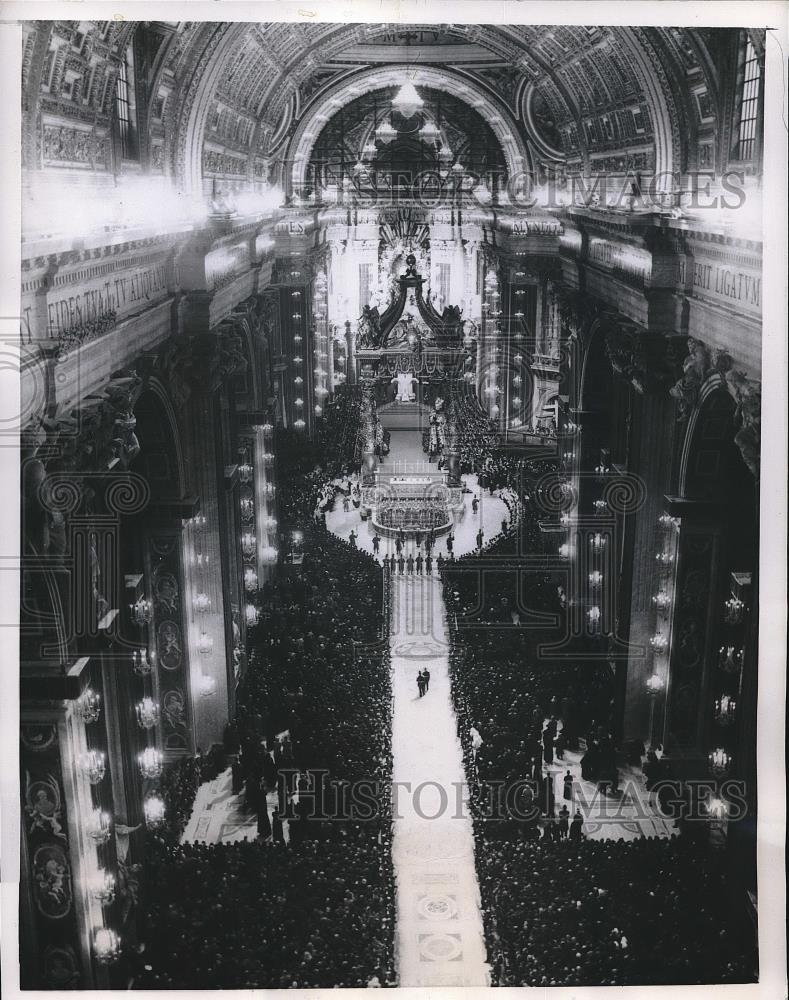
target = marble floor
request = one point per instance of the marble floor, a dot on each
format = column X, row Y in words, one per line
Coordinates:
column 439, row 934
column 219, row 817
column 626, row 815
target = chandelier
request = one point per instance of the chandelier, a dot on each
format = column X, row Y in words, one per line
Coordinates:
column 103, row 887
column 654, row 684
column 89, row 706
column 201, row 603
column 407, row 100
column 250, row 581
column 725, row 709
column 98, row 826
column 206, row 686
column 205, row 643
column 142, row 612
column 150, row 762
column 92, row 766
column 106, row 946
column 248, row 544
column 719, row 762
column 385, row 132
column 142, row 662
column 147, row 713
column 153, row 808
column 429, row 132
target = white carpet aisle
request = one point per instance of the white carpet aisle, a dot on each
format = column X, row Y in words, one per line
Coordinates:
column 439, row 937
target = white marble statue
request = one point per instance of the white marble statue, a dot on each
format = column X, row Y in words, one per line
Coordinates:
column 405, row 387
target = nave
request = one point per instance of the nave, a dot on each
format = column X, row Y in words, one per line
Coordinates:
column 343, row 357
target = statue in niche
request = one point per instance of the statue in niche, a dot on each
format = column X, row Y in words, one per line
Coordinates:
column 369, row 329
column 749, row 412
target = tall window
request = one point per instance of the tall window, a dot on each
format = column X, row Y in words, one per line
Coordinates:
column 749, row 83
column 125, row 110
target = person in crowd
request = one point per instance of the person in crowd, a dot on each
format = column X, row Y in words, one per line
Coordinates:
column 577, row 826
column 567, row 786
column 426, row 677
column 419, row 562
column 385, row 562
column 420, row 683
column 474, row 505
column 352, row 538
column 410, row 564
column 563, row 824
column 450, row 542
column 376, row 542
column 401, row 564
column 429, row 564
column 480, row 538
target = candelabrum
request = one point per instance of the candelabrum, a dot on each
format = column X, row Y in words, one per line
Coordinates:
column 205, row 644
column 153, row 810
column 102, row 887
column 593, row 617
column 717, row 808
column 89, row 706
column 719, row 762
column 247, row 507
column 299, row 425
column 250, row 580
column 98, row 826
column 150, row 762
column 252, row 615
column 730, row 659
column 734, row 611
column 142, row 662
column 147, row 713
column 598, row 541
column 665, row 558
column 667, row 521
column 595, row 579
column 600, row 506
column 662, row 600
column 658, row 642
column 141, row 612
column 268, row 555
column 206, row 686
column 565, row 551
column 245, row 473
column 92, row 765
column 725, row 710
column 201, row 603
column 106, row 946
column 248, row 544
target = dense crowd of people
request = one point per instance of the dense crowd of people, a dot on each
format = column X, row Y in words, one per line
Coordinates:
column 593, row 913
column 311, row 902
column 558, row 909
column 266, row 915
column 305, row 465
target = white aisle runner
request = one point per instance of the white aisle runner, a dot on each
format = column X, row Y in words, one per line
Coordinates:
column 439, row 937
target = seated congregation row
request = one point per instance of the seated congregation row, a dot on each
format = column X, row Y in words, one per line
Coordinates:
column 559, row 910
column 311, row 902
